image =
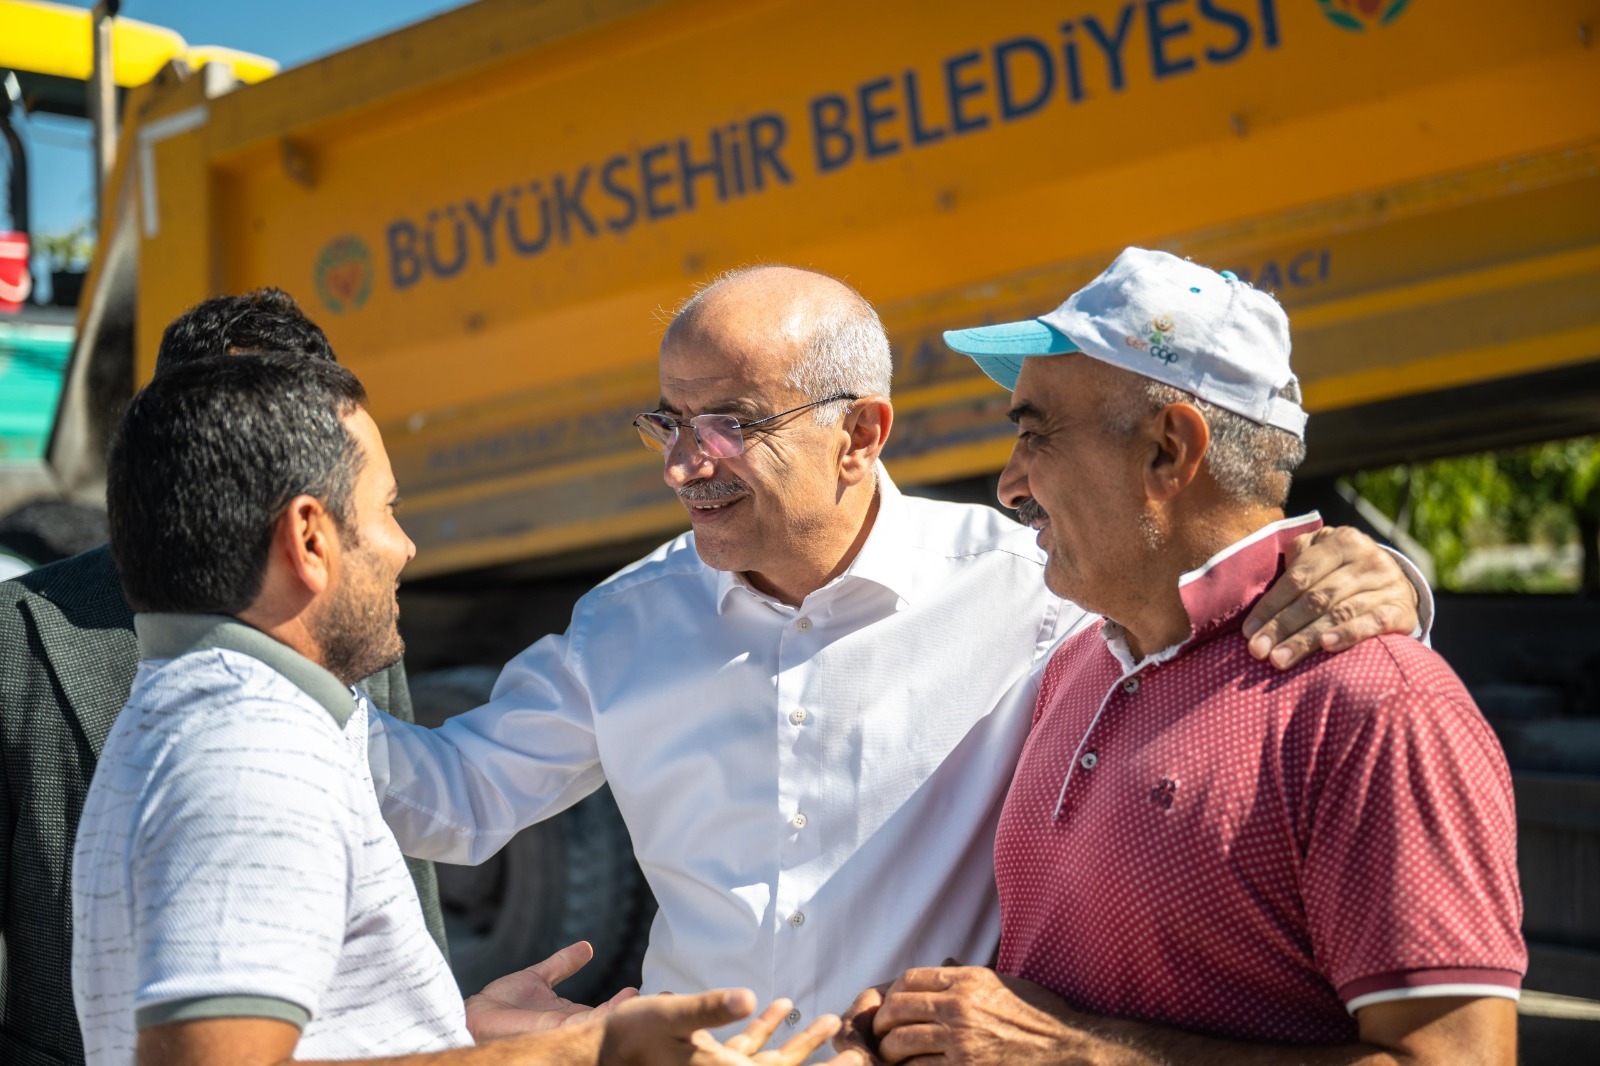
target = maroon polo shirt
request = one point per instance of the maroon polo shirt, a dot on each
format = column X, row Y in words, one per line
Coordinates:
column 1202, row 841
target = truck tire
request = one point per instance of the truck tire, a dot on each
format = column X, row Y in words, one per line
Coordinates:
column 570, row 878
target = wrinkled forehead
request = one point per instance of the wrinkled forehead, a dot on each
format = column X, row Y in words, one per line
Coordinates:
column 705, row 363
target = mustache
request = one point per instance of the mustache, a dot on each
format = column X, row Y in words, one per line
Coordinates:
column 1029, row 513
column 712, row 490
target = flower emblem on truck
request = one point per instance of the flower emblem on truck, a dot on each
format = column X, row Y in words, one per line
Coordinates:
column 1359, row 16
column 344, row 274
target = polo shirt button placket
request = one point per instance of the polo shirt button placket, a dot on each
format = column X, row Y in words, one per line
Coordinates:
column 1131, row 685
column 1089, row 761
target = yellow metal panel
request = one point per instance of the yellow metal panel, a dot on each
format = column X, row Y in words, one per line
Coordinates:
column 174, row 198
column 488, row 212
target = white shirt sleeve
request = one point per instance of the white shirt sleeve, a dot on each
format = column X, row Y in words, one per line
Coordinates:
column 1424, row 630
column 459, row 793
column 239, row 867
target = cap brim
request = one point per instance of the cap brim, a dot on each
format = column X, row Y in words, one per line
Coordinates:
column 1000, row 349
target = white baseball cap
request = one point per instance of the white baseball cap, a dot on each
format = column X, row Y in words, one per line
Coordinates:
column 1166, row 318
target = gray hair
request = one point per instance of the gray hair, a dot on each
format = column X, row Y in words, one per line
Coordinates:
column 846, row 354
column 1250, row 462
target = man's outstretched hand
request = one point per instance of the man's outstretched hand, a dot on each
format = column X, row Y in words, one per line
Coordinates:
column 670, row 1030
column 1338, row 589
column 526, row 1001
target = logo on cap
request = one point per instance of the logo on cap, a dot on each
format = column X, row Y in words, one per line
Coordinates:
column 1158, row 342
column 1358, row 16
column 344, row 274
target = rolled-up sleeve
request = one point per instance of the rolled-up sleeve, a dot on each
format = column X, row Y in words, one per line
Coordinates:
column 460, row 792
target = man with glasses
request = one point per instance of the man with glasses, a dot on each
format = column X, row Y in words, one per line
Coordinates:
column 808, row 708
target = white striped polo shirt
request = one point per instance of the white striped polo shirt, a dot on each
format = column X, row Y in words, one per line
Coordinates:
column 232, row 861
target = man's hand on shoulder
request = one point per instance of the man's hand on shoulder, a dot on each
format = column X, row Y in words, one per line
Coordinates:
column 526, row 1001
column 1339, row 588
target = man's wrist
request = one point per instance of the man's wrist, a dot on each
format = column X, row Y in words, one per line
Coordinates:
column 578, row 1044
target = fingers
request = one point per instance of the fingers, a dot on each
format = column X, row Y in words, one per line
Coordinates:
column 1345, row 626
column 564, row 963
column 605, row 1008
column 926, row 979
column 1298, row 577
column 909, row 1041
column 852, row 1057
column 757, row 1033
column 682, row 1015
column 906, row 1008
column 1341, row 583
column 855, row 1031
column 797, row 1048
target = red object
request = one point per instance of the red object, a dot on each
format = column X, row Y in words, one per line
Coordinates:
column 15, row 284
column 1207, row 843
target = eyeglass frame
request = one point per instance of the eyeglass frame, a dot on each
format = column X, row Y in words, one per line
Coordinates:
column 679, row 424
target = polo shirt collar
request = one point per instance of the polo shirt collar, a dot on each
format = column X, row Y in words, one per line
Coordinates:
column 169, row 636
column 883, row 559
column 1219, row 591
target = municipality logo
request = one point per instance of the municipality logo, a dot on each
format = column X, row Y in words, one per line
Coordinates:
column 1358, row 16
column 344, row 274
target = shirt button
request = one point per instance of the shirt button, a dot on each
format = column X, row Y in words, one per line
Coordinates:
column 793, row 1017
column 798, row 821
column 804, row 624
column 797, row 919
column 1131, row 685
column 1089, row 761
column 798, row 715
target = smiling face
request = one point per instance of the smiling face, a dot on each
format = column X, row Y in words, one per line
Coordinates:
column 1077, row 483
column 358, row 628
column 778, row 512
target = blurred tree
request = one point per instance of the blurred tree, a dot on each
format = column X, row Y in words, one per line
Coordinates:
column 1543, row 494
column 71, row 250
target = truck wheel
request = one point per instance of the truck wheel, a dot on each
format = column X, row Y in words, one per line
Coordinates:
column 570, row 878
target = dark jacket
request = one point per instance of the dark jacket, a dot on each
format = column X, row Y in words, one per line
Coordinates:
column 67, row 659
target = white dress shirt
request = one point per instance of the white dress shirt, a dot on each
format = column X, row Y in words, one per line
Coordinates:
column 812, row 791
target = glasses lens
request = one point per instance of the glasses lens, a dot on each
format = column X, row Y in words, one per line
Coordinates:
column 656, row 430
column 719, row 435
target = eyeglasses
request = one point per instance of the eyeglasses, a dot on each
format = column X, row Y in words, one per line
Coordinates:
column 719, row 436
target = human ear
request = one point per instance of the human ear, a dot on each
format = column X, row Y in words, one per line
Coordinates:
column 306, row 539
column 1179, row 439
column 867, row 426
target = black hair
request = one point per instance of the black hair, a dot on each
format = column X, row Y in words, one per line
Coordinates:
column 205, row 461
column 264, row 320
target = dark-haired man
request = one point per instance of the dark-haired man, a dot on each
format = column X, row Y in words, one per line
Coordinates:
column 236, row 896
column 67, row 657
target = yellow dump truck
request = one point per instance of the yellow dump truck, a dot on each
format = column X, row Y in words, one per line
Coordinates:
column 491, row 211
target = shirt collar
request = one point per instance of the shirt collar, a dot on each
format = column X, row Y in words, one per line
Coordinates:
column 169, row 636
column 1223, row 588
column 882, row 560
